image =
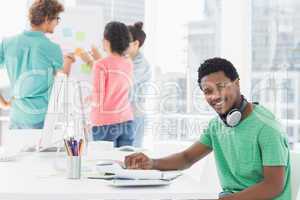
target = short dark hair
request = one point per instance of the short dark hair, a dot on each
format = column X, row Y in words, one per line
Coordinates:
column 118, row 35
column 137, row 32
column 213, row 65
column 41, row 10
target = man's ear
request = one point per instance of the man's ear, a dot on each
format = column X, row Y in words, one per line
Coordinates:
column 47, row 20
column 137, row 43
column 237, row 82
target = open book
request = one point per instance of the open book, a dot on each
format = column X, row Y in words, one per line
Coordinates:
column 118, row 171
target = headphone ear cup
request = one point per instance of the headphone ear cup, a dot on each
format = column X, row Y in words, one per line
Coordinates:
column 223, row 118
column 233, row 118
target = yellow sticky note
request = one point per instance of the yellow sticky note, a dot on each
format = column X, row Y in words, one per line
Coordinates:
column 85, row 68
column 80, row 36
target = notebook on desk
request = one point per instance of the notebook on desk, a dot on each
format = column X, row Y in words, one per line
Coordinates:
column 138, row 183
column 136, row 174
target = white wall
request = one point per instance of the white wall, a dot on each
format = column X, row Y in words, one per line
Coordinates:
column 236, row 38
column 13, row 17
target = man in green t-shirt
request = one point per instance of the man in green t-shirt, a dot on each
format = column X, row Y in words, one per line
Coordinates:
column 250, row 149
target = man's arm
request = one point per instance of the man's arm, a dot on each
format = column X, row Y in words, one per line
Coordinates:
column 271, row 186
column 69, row 59
column 176, row 161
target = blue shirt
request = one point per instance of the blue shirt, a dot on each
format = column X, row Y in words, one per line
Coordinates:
column 141, row 79
column 31, row 60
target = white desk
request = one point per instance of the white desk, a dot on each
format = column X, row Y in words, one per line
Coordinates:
column 34, row 177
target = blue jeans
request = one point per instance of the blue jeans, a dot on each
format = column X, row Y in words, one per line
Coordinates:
column 139, row 129
column 16, row 125
column 121, row 134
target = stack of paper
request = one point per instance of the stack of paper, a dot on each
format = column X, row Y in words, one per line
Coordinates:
column 120, row 172
column 6, row 155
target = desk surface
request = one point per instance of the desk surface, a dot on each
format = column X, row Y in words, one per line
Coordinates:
column 41, row 177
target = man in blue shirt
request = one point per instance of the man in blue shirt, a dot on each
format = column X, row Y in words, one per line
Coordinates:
column 31, row 61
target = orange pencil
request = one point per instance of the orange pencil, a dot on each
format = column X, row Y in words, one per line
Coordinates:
column 80, row 147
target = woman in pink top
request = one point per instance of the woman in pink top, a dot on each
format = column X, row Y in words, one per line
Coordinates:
column 111, row 113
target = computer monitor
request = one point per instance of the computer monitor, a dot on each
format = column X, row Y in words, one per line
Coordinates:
column 65, row 111
column 56, row 116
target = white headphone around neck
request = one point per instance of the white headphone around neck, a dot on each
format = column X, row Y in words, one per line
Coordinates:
column 233, row 117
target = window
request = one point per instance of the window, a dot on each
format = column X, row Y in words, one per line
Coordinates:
column 192, row 31
column 290, row 132
column 180, row 41
column 275, row 54
column 287, row 91
column 288, row 114
column 298, row 135
column 255, row 89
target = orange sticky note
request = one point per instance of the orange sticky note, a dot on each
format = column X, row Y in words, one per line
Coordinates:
column 78, row 51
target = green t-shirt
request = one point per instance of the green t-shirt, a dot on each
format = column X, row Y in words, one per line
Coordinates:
column 242, row 152
column 31, row 60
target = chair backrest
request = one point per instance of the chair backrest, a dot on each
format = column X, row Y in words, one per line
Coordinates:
column 295, row 175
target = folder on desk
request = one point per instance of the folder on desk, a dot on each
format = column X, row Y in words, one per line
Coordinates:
column 122, row 173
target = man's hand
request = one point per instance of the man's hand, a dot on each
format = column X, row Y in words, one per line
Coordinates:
column 8, row 105
column 5, row 105
column 139, row 161
column 177, row 161
column 69, row 58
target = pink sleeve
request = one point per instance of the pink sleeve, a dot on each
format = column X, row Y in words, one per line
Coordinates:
column 99, row 77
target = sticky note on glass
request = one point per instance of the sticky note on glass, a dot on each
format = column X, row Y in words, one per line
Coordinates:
column 78, row 51
column 80, row 36
column 85, row 68
column 67, row 32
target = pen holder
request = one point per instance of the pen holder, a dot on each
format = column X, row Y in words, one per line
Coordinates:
column 74, row 167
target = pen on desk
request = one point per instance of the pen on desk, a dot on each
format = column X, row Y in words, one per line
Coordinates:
column 75, row 148
column 71, row 147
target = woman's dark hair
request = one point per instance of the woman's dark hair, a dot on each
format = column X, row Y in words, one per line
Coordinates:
column 215, row 65
column 42, row 10
column 118, row 36
column 137, row 33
